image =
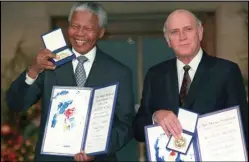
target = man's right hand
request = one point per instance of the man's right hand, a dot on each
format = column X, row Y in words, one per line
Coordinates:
column 169, row 122
column 41, row 62
column 80, row 157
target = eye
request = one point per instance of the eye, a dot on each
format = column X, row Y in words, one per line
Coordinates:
column 189, row 28
column 173, row 32
column 74, row 26
column 88, row 29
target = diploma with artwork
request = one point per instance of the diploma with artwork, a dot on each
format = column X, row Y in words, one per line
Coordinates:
column 156, row 144
column 79, row 119
column 215, row 136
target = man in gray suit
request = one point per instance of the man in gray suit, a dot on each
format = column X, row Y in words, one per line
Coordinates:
column 87, row 23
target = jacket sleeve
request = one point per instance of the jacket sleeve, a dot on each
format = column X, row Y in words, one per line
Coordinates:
column 236, row 95
column 122, row 133
column 20, row 95
column 144, row 114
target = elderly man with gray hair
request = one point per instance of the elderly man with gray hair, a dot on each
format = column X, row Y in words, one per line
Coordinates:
column 87, row 23
column 193, row 80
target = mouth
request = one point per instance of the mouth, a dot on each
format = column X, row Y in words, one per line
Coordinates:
column 80, row 42
column 184, row 45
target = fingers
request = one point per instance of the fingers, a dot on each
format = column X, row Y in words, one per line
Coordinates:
column 87, row 158
column 169, row 123
column 79, row 157
column 49, row 65
column 76, row 157
column 178, row 127
column 164, row 126
column 82, row 157
column 42, row 60
column 172, row 127
column 47, row 54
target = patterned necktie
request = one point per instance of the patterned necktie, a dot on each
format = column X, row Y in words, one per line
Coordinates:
column 185, row 84
column 80, row 73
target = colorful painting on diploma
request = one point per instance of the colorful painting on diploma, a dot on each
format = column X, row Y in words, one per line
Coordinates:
column 156, row 142
column 66, row 120
column 163, row 154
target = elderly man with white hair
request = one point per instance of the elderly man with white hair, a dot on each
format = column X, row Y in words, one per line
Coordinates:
column 193, row 80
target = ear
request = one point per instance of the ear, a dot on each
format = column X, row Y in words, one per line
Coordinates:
column 200, row 32
column 101, row 33
column 167, row 39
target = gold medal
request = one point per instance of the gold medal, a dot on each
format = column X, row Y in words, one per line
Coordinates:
column 180, row 143
column 61, row 56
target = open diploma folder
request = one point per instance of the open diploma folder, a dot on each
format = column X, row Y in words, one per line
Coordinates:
column 156, row 142
column 220, row 136
column 55, row 42
column 79, row 119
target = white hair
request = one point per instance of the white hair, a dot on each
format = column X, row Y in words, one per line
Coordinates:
column 93, row 7
column 199, row 23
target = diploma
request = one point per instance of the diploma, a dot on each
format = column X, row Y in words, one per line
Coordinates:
column 55, row 42
column 100, row 120
column 220, row 136
column 79, row 119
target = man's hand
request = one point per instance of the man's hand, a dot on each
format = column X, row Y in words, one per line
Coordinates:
column 82, row 157
column 41, row 62
column 169, row 122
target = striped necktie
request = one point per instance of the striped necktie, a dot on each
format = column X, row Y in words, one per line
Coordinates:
column 185, row 84
column 80, row 73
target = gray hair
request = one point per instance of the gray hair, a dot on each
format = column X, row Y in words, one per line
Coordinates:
column 93, row 7
column 198, row 21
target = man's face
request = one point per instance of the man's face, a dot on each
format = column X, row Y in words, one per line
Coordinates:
column 184, row 35
column 84, row 31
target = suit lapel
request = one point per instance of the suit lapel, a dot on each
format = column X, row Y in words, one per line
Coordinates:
column 97, row 70
column 200, row 76
column 65, row 75
column 173, row 84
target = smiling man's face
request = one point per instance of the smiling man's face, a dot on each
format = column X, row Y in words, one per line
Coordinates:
column 84, row 31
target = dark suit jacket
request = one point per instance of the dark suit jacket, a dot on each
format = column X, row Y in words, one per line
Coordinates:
column 105, row 70
column 217, row 84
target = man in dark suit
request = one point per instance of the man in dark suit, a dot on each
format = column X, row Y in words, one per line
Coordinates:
column 193, row 80
column 87, row 22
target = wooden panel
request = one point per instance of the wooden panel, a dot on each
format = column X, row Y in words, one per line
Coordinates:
column 130, row 24
column 209, row 37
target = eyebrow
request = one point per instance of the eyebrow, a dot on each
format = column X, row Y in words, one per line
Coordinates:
column 187, row 26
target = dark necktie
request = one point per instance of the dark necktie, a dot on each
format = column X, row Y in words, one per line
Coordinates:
column 80, row 73
column 185, row 84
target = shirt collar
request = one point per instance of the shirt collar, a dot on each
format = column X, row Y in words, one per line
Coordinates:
column 193, row 63
column 90, row 55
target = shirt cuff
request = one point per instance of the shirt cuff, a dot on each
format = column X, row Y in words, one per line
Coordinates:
column 29, row 80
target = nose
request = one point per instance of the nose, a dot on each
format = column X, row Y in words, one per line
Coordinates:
column 183, row 35
column 81, row 32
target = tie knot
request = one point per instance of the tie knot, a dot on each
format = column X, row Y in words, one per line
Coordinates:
column 82, row 59
column 186, row 68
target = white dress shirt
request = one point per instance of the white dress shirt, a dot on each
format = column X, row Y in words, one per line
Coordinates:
column 87, row 65
column 193, row 67
column 180, row 71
